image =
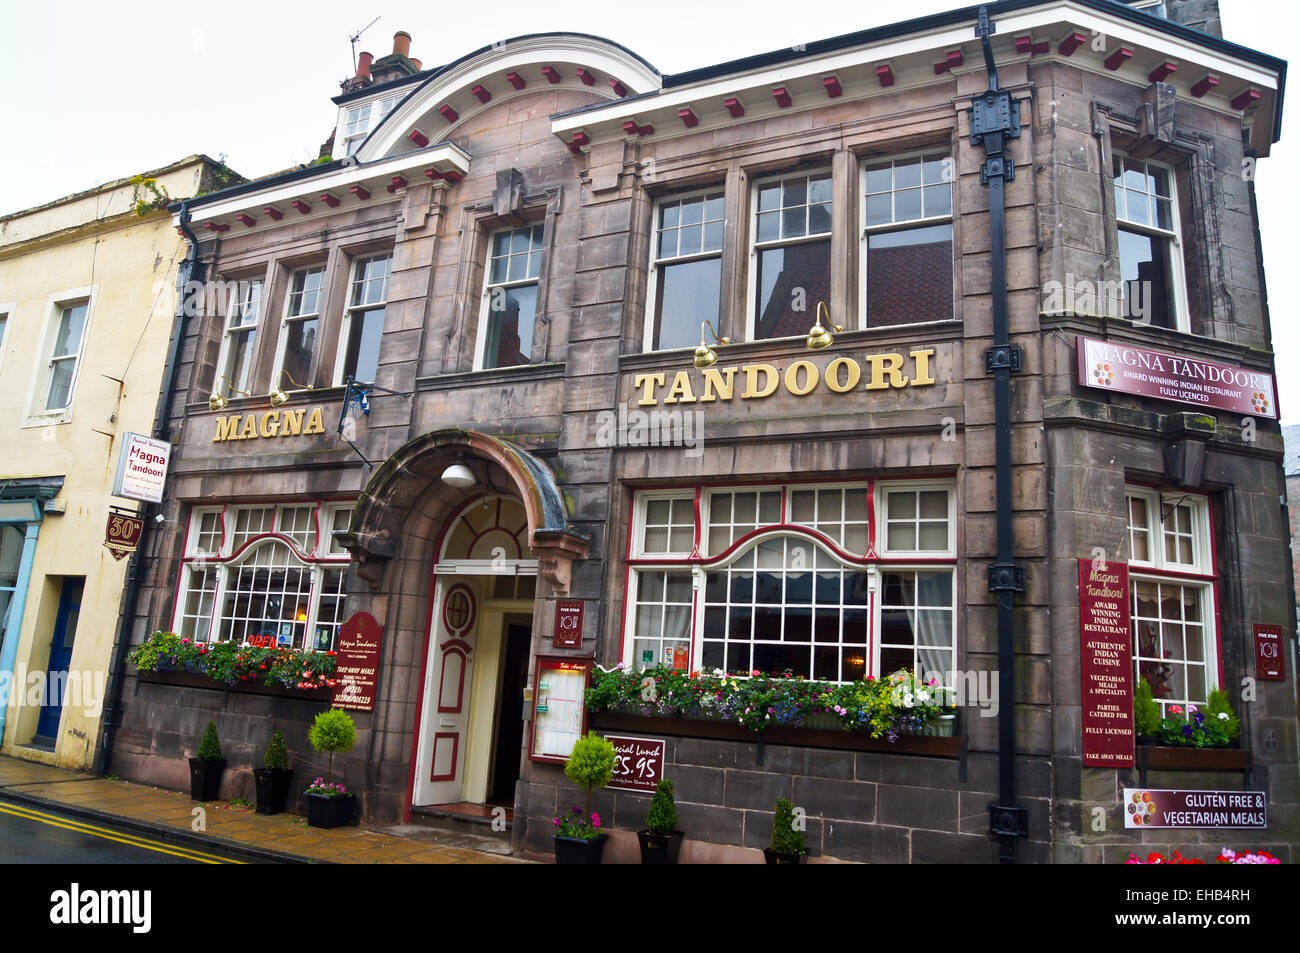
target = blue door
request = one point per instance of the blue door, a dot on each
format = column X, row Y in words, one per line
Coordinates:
column 65, row 631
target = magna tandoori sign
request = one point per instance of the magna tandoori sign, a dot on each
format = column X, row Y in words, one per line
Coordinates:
column 1106, row 664
column 1106, row 365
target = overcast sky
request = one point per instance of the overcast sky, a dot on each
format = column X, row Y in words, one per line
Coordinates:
column 99, row 90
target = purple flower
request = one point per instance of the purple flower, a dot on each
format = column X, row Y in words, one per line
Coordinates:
column 1187, row 731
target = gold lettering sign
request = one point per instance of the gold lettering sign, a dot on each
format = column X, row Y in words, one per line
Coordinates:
column 283, row 423
column 842, row 376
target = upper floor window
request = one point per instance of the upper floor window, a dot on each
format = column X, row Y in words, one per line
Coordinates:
column 300, row 328
column 4, row 326
column 907, row 254
column 1151, row 263
column 791, row 253
column 59, row 359
column 363, row 321
column 685, row 269
column 360, row 120
column 236, row 359
column 510, row 298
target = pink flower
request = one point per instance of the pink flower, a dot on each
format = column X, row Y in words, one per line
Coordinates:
column 1191, row 709
column 595, row 820
column 1175, row 709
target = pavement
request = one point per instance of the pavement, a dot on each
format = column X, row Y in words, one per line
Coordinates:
column 234, row 830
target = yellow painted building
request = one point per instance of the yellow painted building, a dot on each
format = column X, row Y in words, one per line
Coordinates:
column 87, row 296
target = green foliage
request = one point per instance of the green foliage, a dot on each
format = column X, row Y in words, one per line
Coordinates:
column 786, row 838
column 662, row 816
column 276, row 756
column 147, row 195
column 1192, row 728
column 1217, row 705
column 884, row 708
column 591, row 765
column 1146, row 711
column 233, row 663
column 209, row 747
column 333, row 731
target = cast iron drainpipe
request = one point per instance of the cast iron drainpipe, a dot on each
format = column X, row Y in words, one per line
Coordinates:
column 191, row 269
column 994, row 118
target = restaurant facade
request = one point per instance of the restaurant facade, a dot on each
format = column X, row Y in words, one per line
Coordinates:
column 561, row 363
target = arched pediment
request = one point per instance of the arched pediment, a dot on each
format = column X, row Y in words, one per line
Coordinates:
column 508, row 70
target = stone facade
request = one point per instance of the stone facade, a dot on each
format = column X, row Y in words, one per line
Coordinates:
column 1075, row 451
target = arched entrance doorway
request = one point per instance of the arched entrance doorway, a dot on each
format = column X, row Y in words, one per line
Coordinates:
column 470, row 736
column 462, row 576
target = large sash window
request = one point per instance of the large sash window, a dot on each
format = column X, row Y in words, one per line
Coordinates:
column 809, row 579
column 264, row 575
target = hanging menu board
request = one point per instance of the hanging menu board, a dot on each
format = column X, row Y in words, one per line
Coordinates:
column 1106, row 664
column 559, row 706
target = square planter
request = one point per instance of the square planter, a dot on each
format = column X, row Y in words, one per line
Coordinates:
column 777, row 857
column 579, row 850
column 272, row 789
column 659, row 848
column 205, row 778
column 328, row 812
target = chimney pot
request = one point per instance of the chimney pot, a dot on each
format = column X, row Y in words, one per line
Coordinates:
column 363, row 65
column 402, row 43
column 417, row 64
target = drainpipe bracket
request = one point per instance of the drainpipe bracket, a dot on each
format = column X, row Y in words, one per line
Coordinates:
column 1006, row 577
column 1008, row 821
column 1008, row 356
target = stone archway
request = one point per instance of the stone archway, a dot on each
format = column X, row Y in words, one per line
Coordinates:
column 381, row 513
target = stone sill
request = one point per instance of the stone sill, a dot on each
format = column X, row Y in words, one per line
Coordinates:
column 194, row 680
column 924, row 745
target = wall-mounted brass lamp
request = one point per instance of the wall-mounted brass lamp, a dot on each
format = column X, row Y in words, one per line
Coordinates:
column 706, row 356
column 278, row 396
column 819, row 337
column 217, row 401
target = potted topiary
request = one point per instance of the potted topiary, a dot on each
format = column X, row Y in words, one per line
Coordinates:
column 786, row 846
column 660, row 842
column 272, row 779
column 330, row 804
column 1146, row 713
column 578, row 839
column 207, row 767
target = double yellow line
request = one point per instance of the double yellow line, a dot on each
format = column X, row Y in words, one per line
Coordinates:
column 129, row 839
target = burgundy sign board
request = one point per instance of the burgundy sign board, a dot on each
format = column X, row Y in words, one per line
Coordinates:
column 358, row 663
column 122, row 535
column 1270, row 659
column 1137, row 370
column 568, row 624
column 639, row 765
column 1146, row 807
column 1106, row 664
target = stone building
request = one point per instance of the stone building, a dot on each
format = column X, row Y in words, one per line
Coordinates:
column 518, row 249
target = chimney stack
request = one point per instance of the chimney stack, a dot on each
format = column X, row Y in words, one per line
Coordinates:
column 402, row 43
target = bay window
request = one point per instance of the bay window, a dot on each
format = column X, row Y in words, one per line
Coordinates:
column 818, row 581
column 1171, row 583
column 907, row 254
column 267, row 575
column 685, row 269
column 791, row 253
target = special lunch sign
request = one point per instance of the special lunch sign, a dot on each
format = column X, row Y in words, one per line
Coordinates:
column 1106, row 365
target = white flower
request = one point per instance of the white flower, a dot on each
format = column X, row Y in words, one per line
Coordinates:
column 1223, row 716
column 922, row 696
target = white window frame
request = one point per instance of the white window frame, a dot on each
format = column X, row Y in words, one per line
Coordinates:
column 350, row 310
column 1198, row 575
column 282, row 341
column 7, row 314
column 376, row 110
column 237, row 309
column 908, row 561
column 225, row 561
column 866, row 231
column 37, row 415
column 755, row 247
column 1173, row 237
column 652, row 286
column 485, row 307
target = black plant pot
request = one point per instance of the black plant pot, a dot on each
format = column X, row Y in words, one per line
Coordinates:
column 579, row 850
column 328, row 812
column 205, row 778
column 778, row 857
column 1148, row 741
column 272, row 789
column 659, row 848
